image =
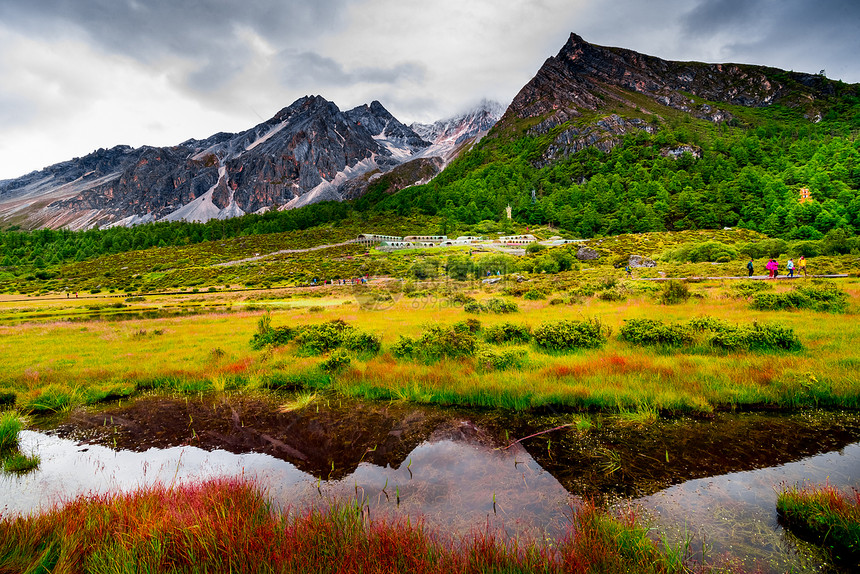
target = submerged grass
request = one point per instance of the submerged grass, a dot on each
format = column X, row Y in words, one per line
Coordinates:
column 228, row 525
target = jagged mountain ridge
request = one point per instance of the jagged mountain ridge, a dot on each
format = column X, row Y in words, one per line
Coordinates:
column 583, row 81
column 309, row 151
column 450, row 135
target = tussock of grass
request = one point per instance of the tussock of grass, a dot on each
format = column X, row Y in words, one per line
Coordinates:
column 10, row 426
column 825, row 516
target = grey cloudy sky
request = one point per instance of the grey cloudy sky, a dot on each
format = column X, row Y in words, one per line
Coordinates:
column 76, row 75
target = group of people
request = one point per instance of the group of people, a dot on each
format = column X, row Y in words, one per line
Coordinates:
column 772, row 267
column 351, row 281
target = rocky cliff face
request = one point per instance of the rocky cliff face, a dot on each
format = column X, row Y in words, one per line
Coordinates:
column 307, row 152
column 584, row 85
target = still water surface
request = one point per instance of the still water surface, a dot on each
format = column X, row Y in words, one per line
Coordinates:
column 710, row 482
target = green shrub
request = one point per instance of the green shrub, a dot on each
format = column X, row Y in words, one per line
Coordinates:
column 501, row 306
column 614, row 294
column 362, row 342
column 713, row 251
column 437, row 342
column 567, row 334
column 491, row 360
column 318, row 339
column 336, row 362
column 508, row 333
column 267, row 336
column 474, row 307
column 756, row 338
column 404, row 347
column 654, row 332
column 470, row 325
column 533, row 295
column 674, row 292
column 706, row 323
column 816, row 297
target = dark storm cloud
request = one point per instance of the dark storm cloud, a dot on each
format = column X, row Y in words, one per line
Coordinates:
column 148, row 27
column 792, row 34
column 210, row 34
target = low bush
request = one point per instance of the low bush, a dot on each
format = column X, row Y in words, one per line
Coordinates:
column 474, row 307
column 268, row 336
column 816, row 297
column 495, row 305
column 508, row 333
column 533, row 295
column 470, row 325
column 501, row 306
column 438, row 342
column 322, row 338
column 336, row 362
column 567, row 334
column 713, row 251
column 362, row 342
column 615, row 294
column 674, row 292
column 756, row 337
column 491, row 360
column 654, row 332
column 706, row 323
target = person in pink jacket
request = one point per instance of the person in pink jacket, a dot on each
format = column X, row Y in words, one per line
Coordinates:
column 771, row 269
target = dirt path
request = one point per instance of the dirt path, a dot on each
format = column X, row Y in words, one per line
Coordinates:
column 282, row 252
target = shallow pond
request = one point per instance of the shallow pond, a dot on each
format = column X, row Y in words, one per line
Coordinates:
column 710, row 482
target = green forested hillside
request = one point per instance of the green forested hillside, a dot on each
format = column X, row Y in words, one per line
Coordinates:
column 748, row 175
column 743, row 173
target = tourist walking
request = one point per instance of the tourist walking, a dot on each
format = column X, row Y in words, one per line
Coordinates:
column 750, row 268
column 790, row 267
column 802, row 264
column 769, row 267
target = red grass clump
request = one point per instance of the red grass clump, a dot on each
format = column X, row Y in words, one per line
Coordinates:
column 609, row 365
column 227, row 525
column 238, row 367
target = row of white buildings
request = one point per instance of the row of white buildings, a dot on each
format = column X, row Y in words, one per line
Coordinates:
column 413, row 241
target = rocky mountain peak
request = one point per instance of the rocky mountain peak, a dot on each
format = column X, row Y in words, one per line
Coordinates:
column 596, row 84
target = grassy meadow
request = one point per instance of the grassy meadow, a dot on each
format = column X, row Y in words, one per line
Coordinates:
column 59, row 352
column 553, row 334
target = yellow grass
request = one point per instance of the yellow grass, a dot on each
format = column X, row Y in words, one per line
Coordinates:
column 214, row 349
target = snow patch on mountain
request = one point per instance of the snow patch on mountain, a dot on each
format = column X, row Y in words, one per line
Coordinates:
column 267, row 135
